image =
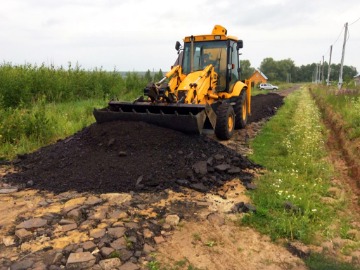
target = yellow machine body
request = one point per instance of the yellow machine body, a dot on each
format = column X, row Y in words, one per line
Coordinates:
column 202, row 90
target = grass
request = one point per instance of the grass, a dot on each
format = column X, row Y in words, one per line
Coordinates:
column 178, row 265
column 345, row 103
column 289, row 196
column 196, row 237
column 26, row 84
column 23, row 130
column 321, row 262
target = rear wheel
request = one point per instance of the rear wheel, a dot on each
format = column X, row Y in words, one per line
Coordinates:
column 240, row 109
column 225, row 121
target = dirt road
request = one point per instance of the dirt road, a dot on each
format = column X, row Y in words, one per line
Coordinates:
column 123, row 196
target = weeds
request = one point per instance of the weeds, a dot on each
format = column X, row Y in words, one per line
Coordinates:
column 211, row 243
column 22, row 130
column 22, row 85
column 196, row 237
column 288, row 199
column 345, row 103
column 153, row 265
column 178, row 265
column 321, row 262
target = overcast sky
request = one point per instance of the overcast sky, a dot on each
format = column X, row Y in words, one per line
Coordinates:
column 141, row 35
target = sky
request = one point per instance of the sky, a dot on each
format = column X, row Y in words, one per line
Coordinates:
column 140, row 35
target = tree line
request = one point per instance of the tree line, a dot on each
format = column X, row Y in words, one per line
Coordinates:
column 286, row 71
column 21, row 85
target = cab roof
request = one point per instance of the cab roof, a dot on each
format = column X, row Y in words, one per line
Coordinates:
column 218, row 33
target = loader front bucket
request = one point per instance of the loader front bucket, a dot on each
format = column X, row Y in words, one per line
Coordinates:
column 182, row 117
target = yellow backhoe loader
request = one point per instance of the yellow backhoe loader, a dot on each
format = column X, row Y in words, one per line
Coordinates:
column 202, row 90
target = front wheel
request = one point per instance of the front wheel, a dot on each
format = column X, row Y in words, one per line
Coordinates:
column 240, row 108
column 225, row 121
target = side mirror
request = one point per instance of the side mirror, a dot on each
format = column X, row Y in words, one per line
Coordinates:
column 240, row 44
column 177, row 45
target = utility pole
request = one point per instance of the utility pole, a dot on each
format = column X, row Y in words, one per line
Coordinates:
column 329, row 68
column 322, row 72
column 319, row 72
column 316, row 74
column 342, row 58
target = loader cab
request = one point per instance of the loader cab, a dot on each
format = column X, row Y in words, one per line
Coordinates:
column 222, row 54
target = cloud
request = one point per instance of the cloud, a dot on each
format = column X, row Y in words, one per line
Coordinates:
column 140, row 35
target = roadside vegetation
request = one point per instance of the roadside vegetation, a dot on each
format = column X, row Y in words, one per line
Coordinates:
column 23, row 130
column 285, row 70
column 346, row 103
column 291, row 147
column 40, row 104
column 295, row 199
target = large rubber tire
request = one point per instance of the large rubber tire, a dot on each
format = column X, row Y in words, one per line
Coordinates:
column 225, row 121
column 240, row 108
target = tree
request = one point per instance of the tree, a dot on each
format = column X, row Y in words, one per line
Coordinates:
column 148, row 76
column 246, row 69
column 306, row 73
column 285, row 70
column 158, row 76
column 268, row 67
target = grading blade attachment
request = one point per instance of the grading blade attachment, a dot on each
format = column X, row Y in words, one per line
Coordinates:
column 182, row 117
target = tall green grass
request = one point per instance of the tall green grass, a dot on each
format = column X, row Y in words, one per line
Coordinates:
column 23, row 130
column 22, row 85
column 320, row 262
column 291, row 148
column 345, row 103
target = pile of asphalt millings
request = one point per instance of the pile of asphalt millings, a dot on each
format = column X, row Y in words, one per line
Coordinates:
column 264, row 106
column 125, row 156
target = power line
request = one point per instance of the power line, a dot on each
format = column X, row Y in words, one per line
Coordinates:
column 354, row 21
column 347, row 35
column 342, row 29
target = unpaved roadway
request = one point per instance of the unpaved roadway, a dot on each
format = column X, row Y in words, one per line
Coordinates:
column 123, row 196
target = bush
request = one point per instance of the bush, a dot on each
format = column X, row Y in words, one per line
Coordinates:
column 18, row 123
